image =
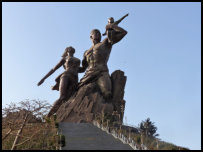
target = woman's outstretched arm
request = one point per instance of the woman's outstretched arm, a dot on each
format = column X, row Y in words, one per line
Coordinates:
column 52, row 71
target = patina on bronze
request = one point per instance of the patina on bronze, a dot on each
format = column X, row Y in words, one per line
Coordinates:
column 95, row 59
column 66, row 82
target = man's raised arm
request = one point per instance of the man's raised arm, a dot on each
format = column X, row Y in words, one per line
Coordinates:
column 117, row 34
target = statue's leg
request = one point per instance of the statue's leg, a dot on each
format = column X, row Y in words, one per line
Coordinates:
column 104, row 83
column 63, row 93
column 63, row 87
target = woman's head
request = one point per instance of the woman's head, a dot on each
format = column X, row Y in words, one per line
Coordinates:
column 69, row 51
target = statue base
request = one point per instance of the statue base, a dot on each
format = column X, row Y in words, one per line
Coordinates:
column 88, row 102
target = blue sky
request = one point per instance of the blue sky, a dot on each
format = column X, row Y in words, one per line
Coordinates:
column 160, row 55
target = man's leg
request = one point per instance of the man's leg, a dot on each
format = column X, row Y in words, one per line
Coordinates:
column 104, row 83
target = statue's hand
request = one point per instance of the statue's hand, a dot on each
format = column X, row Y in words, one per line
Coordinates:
column 103, row 34
column 40, row 82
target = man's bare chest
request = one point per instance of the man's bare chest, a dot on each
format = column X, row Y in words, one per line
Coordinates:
column 100, row 49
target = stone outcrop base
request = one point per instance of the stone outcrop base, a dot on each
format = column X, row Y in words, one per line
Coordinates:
column 88, row 102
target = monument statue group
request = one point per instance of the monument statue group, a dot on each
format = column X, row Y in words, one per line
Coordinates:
column 97, row 92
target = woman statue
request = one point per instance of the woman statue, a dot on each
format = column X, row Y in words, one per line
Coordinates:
column 66, row 82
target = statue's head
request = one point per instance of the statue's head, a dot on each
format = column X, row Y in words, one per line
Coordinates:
column 69, row 51
column 111, row 20
column 95, row 36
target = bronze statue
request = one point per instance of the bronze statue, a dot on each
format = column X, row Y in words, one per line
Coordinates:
column 111, row 21
column 95, row 59
column 66, row 82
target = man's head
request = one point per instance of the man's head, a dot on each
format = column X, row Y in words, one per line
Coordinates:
column 110, row 20
column 69, row 51
column 95, row 36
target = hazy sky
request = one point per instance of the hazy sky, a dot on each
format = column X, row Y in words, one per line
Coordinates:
column 160, row 55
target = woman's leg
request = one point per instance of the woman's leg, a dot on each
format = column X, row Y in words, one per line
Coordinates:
column 63, row 94
column 63, row 88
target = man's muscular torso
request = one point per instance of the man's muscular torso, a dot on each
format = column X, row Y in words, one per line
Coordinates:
column 97, row 56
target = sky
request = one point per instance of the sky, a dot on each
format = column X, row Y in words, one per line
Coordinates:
column 160, row 55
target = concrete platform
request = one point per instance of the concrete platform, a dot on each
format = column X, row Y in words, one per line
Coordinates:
column 86, row 136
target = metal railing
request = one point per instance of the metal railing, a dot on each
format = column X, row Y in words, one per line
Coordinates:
column 120, row 136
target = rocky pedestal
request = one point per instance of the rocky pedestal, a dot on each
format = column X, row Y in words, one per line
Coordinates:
column 87, row 102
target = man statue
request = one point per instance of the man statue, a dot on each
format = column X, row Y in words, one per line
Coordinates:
column 95, row 59
column 66, row 82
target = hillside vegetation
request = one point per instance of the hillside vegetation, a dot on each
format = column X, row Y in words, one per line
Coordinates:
column 145, row 134
column 25, row 127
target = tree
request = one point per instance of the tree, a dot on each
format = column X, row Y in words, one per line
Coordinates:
column 148, row 128
column 16, row 116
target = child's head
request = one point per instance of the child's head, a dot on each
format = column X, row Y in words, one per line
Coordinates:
column 110, row 20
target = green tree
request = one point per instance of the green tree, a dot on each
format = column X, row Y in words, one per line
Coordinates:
column 148, row 128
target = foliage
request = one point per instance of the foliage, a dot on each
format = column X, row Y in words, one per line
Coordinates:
column 61, row 140
column 110, row 118
column 148, row 128
column 25, row 126
column 138, row 139
column 146, row 134
column 56, row 124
